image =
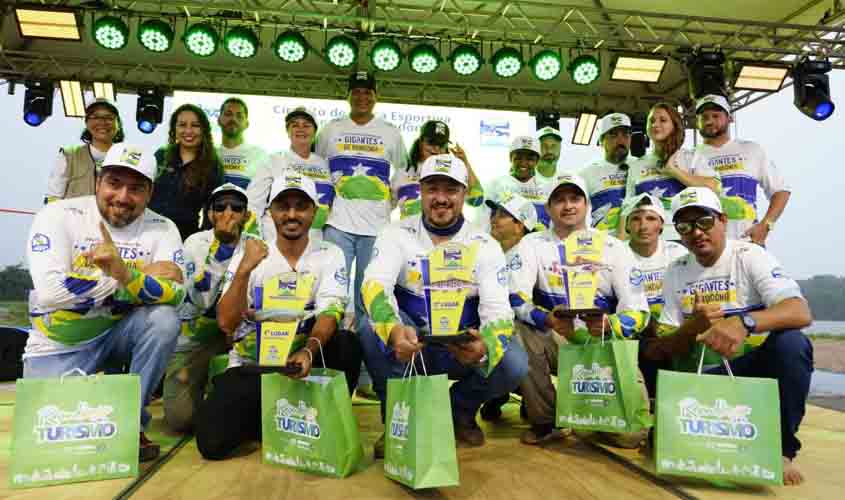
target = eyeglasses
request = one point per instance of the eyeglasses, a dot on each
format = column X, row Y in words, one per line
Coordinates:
column 235, row 206
column 102, row 118
column 705, row 223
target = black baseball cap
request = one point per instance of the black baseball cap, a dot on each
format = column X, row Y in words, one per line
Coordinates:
column 435, row 132
column 362, row 80
column 300, row 112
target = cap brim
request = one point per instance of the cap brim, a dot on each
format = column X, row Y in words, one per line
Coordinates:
column 218, row 194
column 711, row 105
column 695, row 205
column 108, row 105
column 445, row 176
column 283, row 191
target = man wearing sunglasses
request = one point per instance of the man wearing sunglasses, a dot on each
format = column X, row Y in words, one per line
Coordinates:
column 733, row 298
column 207, row 255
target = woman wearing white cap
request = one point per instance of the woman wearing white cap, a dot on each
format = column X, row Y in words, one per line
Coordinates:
column 667, row 169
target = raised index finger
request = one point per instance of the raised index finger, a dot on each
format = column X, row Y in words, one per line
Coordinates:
column 106, row 234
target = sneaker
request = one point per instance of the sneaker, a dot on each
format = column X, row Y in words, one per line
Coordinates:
column 467, row 431
column 492, row 410
column 147, row 450
column 540, row 433
column 378, row 447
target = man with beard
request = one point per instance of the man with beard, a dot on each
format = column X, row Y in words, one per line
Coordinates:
column 540, row 299
column 240, row 160
column 524, row 155
column 742, row 166
column 606, row 178
column 550, row 142
column 734, row 298
column 107, row 274
column 231, row 415
column 397, row 289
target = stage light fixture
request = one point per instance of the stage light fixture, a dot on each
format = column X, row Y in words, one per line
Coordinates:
column 110, row 32
column 584, row 129
column 49, row 23
column 466, row 60
column 639, row 137
column 386, row 55
column 585, row 69
column 424, row 58
column 341, row 51
column 706, row 75
column 241, row 42
column 201, row 40
column 638, row 69
column 761, row 78
column 155, row 35
column 150, row 109
column 812, row 89
column 72, row 99
column 104, row 90
column 37, row 102
column 291, row 47
column 507, row 62
column 547, row 118
column 546, row 65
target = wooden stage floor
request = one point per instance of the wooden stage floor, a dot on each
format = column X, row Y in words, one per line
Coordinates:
column 502, row 469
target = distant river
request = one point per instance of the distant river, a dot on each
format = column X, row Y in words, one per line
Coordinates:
column 831, row 327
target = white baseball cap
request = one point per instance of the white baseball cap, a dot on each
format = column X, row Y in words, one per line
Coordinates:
column 132, row 157
column 612, row 121
column 695, row 197
column 574, row 179
column 228, row 188
column 632, row 204
column 520, row 208
column 525, row 142
column 293, row 180
column 447, row 165
column 543, row 132
column 715, row 100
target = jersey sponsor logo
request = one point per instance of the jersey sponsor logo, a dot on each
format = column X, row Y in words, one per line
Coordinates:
column 612, row 181
column 400, row 421
column 300, row 420
column 515, row 263
column 502, row 276
column 720, row 420
column 712, row 291
column 595, row 380
column 86, row 422
column 179, row 257
column 360, row 143
column 636, row 277
column 727, row 163
column 131, row 156
column 40, row 242
column 778, row 273
column 340, row 277
column 191, row 268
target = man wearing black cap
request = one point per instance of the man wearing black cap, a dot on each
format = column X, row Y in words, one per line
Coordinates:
column 76, row 167
column 360, row 149
column 433, row 140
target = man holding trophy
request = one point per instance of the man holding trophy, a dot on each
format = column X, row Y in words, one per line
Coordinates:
column 437, row 287
column 569, row 282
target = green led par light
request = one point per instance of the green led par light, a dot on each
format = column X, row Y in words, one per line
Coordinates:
column 585, row 69
column 341, row 51
column 386, row 55
column 110, row 32
column 155, row 35
column 466, row 60
column 241, row 42
column 201, row 40
column 291, row 47
column 424, row 58
column 507, row 62
column 546, row 65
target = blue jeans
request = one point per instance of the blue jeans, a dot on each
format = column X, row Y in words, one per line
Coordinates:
column 786, row 356
column 471, row 390
column 359, row 248
column 145, row 338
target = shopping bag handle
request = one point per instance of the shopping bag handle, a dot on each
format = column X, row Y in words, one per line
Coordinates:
column 320, row 346
column 411, row 369
column 724, row 360
column 603, row 318
column 73, row 372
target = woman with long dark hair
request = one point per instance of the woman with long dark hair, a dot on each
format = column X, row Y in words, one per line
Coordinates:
column 666, row 169
column 188, row 169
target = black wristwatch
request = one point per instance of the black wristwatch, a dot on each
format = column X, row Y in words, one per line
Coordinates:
column 748, row 322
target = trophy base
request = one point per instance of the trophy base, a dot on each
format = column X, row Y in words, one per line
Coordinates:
column 461, row 338
column 572, row 313
column 289, row 369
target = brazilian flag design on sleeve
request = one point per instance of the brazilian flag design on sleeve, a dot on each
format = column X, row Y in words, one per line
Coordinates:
column 361, row 178
column 606, row 208
column 409, row 200
column 325, row 196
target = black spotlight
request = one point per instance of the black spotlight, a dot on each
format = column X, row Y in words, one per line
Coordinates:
column 639, row 137
column 706, row 75
column 150, row 109
column 812, row 89
column 546, row 118
column 37, row 102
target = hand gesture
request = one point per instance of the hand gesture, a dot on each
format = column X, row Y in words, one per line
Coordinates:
column 469, row 353
column 254, row 252
column 758, row 233
column 725, row 336
column 597, row 324
column 228, row 226
column 403, row 339
column 705, row 315
column 561, row 321
column 459, row 152
column 303, row 359
column 106, row 257
column 164, row 270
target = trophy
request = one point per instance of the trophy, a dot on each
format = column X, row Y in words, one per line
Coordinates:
column 581, row 255
column 447, row 281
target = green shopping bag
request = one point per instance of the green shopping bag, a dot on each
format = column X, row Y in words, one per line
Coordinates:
column 598, row 389
column 73, row 429
column 419, row 449
column 308, row 424
column 719, row 428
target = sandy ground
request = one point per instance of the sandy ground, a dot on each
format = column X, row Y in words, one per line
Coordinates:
column 829, row 355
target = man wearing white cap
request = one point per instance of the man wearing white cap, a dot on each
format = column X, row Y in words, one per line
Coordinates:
column 743, row 167
column 734, row 298
column 524, row 155
column 540, row 299
column 107, row 274
column 397, row 290
column 231, row 414
column 550, row 142
column 606, row 178
column 207, row 255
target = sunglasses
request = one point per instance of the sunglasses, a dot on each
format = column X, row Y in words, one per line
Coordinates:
column 235, row 206
column 705, row 223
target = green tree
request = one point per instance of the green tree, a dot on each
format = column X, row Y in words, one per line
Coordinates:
column 826, row 295
column 15, row 283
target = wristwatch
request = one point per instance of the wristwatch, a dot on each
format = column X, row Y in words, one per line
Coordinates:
column 769, row 224
column 748, row 322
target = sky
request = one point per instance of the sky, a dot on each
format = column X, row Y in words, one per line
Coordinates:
column 809, row 154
